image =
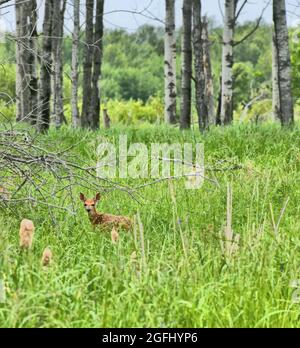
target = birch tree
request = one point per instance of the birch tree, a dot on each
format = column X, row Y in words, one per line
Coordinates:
column 170, row 63
column 88, row 62
column 227, row 62
column 286, row 106
column 208, row 76
column 186, row 67
column 75, row 64
column 59, row 7
column 275, row 86
column 46, row 66
column 33, row 60
column 94, row 114
column 22, row 58
column 201, row 105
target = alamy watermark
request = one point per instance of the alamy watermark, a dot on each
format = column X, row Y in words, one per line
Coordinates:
column 2, row 29
column 158, row 160
column 2, row 292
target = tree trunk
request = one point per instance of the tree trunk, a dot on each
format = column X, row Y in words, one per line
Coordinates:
column 94, row 115
column 284, row 63
column 75, row 53
column 170, row 63
column 23, row 67
column 57, row 37
column 106, row 119
column 275, row 89
column 46, row 66
column 201, row 105
column 227, row 63
column 88, row 63
column 219, row 105
column 32, row 60
column 208, row 76
column 186, row 68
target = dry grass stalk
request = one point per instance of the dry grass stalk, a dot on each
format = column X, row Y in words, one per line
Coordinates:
column 47, row 257
column 26, row 233
column 114, row 236
column 231, row 244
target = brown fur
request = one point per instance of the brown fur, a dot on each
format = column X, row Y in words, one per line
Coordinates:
column 26, row 233
column 46, row 257
column 106, row 221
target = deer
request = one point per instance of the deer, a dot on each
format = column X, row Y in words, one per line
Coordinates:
column 107, row 221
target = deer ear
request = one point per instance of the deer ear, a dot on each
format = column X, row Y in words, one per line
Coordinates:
column 97, row 198
column 81, row 196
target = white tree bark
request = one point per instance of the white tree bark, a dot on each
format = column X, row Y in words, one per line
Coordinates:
column 22, row 57
column 284, row 62
column 170, row 63
column 32, row 60
column 209, row 84
column 227, row 62
column 58, row 33
column 46, row 66
column 75, row 53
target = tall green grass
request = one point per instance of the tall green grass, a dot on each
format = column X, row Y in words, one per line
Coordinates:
column 171, row 272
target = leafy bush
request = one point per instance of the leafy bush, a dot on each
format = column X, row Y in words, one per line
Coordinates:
column 132, row 112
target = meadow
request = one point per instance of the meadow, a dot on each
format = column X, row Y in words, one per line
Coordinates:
column 172, row 271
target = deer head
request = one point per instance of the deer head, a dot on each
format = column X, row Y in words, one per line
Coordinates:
column 90, row 204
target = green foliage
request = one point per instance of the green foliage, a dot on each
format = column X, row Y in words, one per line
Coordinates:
column 186, row 281
column 7, row 81
column 295, row 54
column 133, row 112
column 7, row 111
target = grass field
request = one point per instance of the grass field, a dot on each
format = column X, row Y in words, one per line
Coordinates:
column 174, row 274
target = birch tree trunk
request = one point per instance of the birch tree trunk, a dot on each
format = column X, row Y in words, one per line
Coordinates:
column 186, row 68
column 208, row 76
column 46, row 66
column 32, row 60
column 75, row 64
column 227, row 63
column 275, row 88
column 170, row 63
column 94, row 114
column 201, row 105
column 57, row 37
column 88, row 64
column 22, row 57
column 284, row 63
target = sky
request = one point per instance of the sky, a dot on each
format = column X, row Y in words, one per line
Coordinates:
column 118, row 13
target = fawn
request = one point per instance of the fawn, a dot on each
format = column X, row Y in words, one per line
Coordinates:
column 106, row 221
column 26, row 233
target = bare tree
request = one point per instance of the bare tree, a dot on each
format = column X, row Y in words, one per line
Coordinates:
column 75, row 53
column 227, row 62
column 32, row 60
column 88, row 63
column 22, row 58
column 186, row 68
column 170, row 63
column 46, row 66
column 201, row 105
column 284, row 63
column 59, row 7
column 94, row 114
column 208, row 76
column 275, row 88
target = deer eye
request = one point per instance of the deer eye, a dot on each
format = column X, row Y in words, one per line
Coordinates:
column 92, row 205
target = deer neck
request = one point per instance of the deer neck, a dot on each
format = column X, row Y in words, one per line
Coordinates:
column 93, row 214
